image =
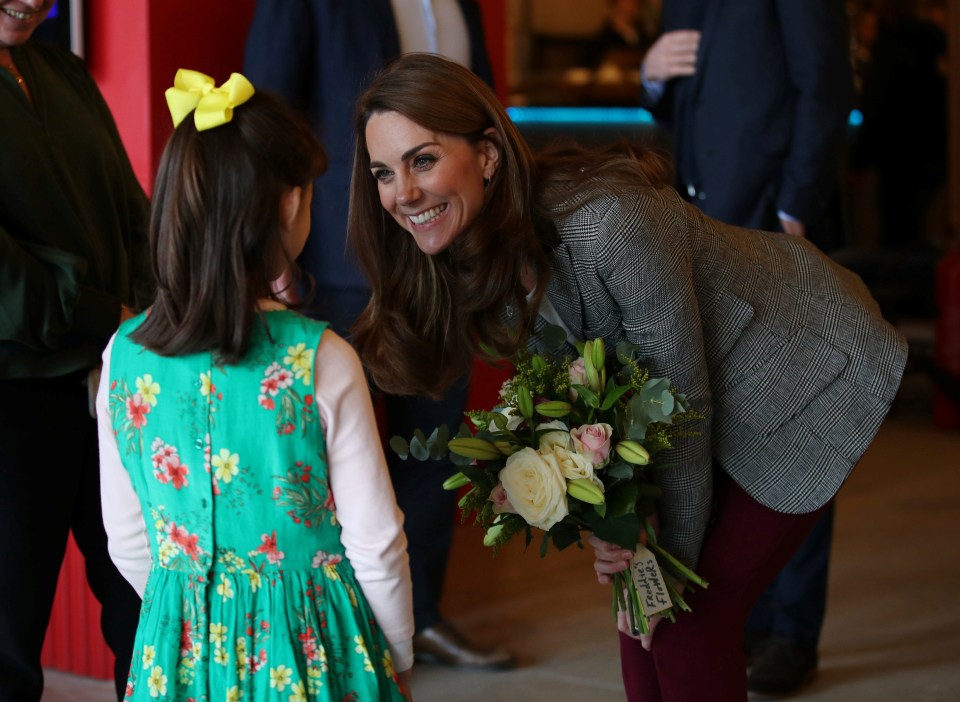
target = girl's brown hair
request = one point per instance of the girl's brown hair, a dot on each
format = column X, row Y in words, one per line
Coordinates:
column 428, row 316
column 215, row 225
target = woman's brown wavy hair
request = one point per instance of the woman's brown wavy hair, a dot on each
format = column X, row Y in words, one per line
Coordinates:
column 215, row 225
column 428, row 316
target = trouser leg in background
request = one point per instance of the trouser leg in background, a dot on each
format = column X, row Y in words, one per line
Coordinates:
column 429, row 510
column 50, row 476
column 700, row 656
column 793, row 607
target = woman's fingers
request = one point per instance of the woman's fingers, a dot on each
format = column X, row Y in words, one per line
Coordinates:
column 609, row 558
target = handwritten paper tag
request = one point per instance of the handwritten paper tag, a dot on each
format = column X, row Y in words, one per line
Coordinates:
column 651, row 589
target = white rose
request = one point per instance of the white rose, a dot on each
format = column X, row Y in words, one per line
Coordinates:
column 572, row 465
column 535, row 487
column 558, row 435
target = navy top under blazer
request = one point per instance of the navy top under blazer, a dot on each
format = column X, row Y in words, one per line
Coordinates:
column 784, row 350
column 760, row 126
column 319, row 55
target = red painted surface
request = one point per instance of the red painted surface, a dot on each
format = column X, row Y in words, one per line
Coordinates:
column 74, row 642
column 134, row 48
column 495, row 34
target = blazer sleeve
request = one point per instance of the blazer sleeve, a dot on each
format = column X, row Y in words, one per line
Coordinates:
column 815, row 38
column 647, row 272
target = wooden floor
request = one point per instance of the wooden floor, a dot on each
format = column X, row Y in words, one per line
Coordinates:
column 893, row 620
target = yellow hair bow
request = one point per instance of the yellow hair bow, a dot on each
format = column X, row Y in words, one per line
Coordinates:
column 211, row 106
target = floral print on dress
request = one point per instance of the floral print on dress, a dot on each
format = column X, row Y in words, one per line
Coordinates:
column 307, row 494
column 129, row 410
column 279, row 386
column 177, row 548
column 229, row 478
column 167, row 467
column 253, row 531
column 209, row 392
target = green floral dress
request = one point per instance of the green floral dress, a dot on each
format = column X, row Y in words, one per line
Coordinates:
column 250, row 596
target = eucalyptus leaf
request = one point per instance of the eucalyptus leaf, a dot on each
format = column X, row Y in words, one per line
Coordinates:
column 400, row 446
column 437, row 443
column 619, row 469
column 627, row 352
column 418, row 447
column 460, row 461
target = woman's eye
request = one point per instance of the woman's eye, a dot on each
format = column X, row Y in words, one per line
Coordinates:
column 423, row 161
column 382, row 175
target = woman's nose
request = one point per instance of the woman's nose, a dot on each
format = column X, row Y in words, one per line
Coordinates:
column 407, row 191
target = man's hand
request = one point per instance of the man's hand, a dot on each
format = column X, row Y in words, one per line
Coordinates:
column 793, row 227
column 673, row 55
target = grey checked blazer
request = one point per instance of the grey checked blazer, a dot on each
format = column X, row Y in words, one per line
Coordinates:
column 785, row 351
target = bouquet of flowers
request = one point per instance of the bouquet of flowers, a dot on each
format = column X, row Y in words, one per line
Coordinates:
column 569, row 449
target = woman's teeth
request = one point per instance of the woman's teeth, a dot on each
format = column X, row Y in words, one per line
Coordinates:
column 427, row 215
column 18, row 15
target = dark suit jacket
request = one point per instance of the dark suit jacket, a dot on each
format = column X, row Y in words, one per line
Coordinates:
column 784, row 350
column 318, row 55
column 760, row 126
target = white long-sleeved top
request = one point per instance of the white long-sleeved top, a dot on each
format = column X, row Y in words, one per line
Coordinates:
column 371, row 522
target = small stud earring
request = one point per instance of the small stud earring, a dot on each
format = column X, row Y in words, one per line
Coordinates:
column 486, row 183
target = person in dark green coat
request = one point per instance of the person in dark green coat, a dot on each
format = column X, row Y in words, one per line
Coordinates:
column 72, row 239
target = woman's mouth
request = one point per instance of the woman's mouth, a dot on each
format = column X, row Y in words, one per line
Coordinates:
column 22, row 16
column 428, row 216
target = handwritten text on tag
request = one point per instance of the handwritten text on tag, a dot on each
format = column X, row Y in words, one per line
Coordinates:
column 651, row 589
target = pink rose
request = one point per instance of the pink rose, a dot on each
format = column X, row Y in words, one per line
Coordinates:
column 593, row 441
column 578, row 375
column 501, row 503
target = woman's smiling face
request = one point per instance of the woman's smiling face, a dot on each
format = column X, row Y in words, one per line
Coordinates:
column 431, row 183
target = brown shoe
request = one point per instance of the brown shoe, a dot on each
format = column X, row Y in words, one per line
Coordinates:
column 443, row 645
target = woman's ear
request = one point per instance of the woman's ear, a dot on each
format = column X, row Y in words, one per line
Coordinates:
column 490, row 150
column 290, row 207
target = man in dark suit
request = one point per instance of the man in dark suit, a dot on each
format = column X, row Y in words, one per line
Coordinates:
column 318, row 55
column 756, row 94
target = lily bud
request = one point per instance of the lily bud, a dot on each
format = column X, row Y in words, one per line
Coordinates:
column 505, row 447
column 472, row 447
column 456, row 481
column 598, row 354
column 490, row 538
column 525, row 402
column 633, row 452
column 590, row 369
column 554, row 408
column 585, row 490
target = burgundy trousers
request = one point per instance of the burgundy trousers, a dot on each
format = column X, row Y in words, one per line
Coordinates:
column 700, row 656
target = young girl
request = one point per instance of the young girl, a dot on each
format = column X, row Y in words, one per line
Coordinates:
column 229, row 426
